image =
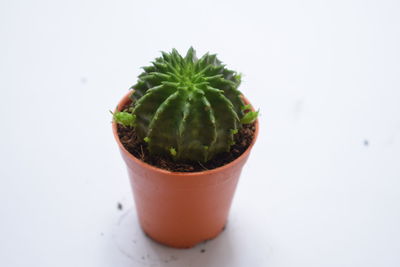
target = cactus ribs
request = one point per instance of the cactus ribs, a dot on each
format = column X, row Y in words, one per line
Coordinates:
column 186, row 114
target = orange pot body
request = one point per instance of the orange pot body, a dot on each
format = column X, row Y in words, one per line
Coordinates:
column 182, row 209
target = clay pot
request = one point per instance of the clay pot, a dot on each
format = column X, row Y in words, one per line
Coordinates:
column 181, row 209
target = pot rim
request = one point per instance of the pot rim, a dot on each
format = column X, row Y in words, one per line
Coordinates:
column 126, row 99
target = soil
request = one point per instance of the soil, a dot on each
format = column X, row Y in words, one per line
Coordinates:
column 138, row 148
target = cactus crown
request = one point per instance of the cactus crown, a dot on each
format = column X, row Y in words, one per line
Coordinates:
column 187, row 107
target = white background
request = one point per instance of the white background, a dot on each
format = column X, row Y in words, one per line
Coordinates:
column 321, row 187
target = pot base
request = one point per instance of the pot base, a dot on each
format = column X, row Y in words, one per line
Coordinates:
column 180, row 246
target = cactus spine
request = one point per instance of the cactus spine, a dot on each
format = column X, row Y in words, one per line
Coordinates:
column 187, row 107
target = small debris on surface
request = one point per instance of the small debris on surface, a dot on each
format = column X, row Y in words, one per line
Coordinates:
column 101, row 234
column 119, row 206
column 366, row 143
column 203, row 250
column 174, row 258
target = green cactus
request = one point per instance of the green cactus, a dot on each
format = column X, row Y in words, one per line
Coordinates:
column 187, row 107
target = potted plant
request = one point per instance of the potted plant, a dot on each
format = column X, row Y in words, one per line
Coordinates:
column 184, row 131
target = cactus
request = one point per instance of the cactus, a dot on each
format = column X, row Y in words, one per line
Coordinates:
column 187, row 107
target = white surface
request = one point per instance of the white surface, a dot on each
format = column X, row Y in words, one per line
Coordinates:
column 325, row 74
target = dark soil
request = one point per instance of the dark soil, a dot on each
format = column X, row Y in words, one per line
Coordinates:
column 138, row 148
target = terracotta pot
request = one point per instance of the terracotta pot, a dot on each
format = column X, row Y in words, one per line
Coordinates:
column 181, row 209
